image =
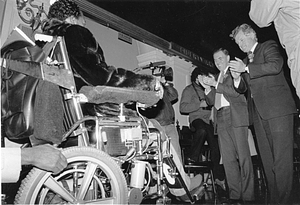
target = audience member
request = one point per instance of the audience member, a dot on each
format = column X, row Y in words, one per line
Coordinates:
column 271, row 107
column 232, row 121
column 45, row 157
column 285, row 14
column 194, row 104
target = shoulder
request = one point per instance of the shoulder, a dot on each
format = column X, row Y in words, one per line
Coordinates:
column 79, row 35
column 269, row 43
column 187, row 88
column 76, row 30
column 269, row 47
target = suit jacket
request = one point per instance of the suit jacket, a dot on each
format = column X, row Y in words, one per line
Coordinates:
column 266, row 83
column 238, row 103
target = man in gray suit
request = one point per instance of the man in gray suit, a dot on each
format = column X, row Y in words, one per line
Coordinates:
column 271, row 107
column 232, row 121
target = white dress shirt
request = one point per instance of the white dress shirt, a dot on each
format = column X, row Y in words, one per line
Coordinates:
column 224, row 102
column 10, row 164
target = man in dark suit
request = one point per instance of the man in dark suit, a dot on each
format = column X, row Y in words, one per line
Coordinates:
column 271, row 106
column 232, row 121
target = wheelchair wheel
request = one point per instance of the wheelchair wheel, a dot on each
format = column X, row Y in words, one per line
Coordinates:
column 91, row 176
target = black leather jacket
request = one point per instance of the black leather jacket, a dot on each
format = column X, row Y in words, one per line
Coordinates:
column 85, row 54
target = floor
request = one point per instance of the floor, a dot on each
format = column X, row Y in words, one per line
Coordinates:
column 209, row 199
column 260, row 191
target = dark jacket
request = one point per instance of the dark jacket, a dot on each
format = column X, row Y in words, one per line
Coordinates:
column 266, row 81
column 166, row 114
column 238, row 104
column 88, row 62
column 89, row 66
column 190, row 103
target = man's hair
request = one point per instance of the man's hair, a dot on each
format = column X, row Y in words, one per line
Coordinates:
column 245, row 28
column 225, row 51
column 62, row 9
column 197, row 71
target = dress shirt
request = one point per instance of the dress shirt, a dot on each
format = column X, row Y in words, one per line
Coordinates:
column 251, row 50
column 224, row 102
column 10, row 164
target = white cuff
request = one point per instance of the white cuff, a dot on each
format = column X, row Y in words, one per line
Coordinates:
column 10, row 164
column 237, row 82
column 247, row 69
column 207, row 90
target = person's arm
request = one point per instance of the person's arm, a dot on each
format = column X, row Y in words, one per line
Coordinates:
column 45, row 157
column 210, row 96
column 240, row 84
column 86, row 56
column 236, row 78
column 272, row 64
column 209, row 91
column 263, row 12
column 171, row 92
column 188, row 102
column 228, row 88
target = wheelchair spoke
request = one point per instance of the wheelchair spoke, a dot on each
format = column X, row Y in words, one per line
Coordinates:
column 53, row 185
column 102, row 201
column 91, row 177
column 88, row 175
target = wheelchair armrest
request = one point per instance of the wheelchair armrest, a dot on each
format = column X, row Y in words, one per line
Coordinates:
column 107, row 94
column 43, row 37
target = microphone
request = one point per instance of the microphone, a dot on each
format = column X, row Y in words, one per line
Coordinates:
column 153, row 65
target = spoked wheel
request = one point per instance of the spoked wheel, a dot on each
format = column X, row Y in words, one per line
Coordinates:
column 92, row 177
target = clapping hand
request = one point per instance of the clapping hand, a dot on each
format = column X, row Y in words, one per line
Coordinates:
column 205, row 86
column 237, row 65
column 210, row 80
column 235, row 74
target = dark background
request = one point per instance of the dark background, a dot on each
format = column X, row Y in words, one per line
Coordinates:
column 200, row 26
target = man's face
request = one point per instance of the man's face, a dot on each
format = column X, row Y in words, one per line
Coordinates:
column 221, row 60
column 245, row 41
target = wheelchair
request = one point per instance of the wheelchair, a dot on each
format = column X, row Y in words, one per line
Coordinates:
column 117, row 160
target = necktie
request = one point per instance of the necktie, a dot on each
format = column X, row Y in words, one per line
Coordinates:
column 218, row 95
column 250, row 56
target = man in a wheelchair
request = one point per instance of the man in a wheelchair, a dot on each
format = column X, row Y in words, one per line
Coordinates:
column 90, row 71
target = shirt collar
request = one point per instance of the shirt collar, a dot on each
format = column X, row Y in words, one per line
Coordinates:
column 253, row 47
column 225, row 70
